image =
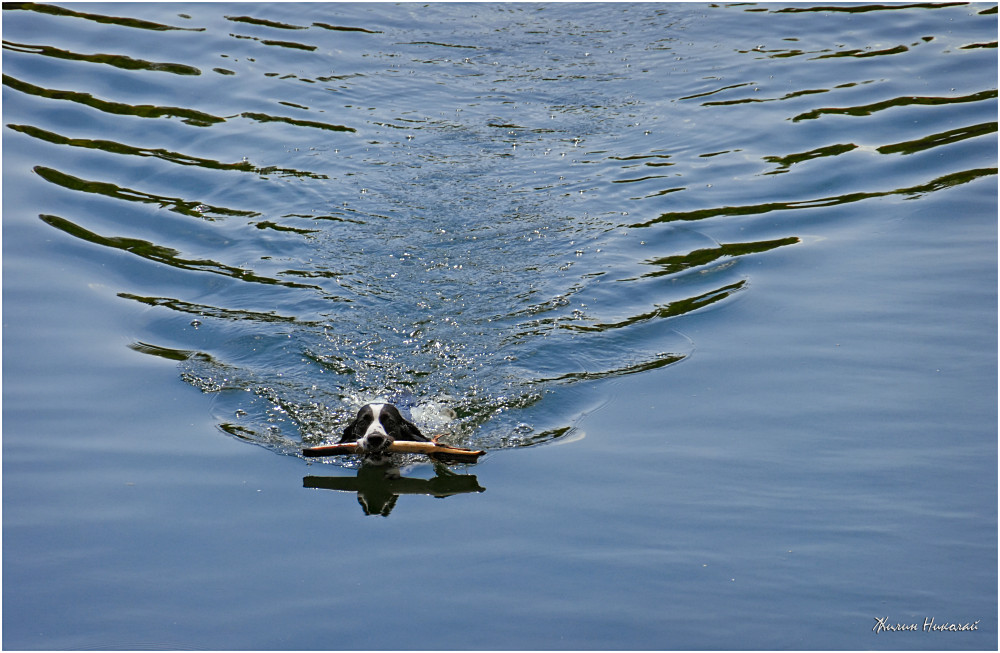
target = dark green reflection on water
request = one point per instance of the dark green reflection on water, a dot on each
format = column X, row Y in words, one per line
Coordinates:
column 946, row 181
column 116, row 60
column 159, row 153
column 908, row 100
column 184, row 207
column 204, row 310
column 787, row 161
column 97, row 18
column 168, row 353
column 861, row 54
column 699, row 257
column 645, row 366
column 280, row 44
column 263, row 117
column 943, row 138
column 673, row 309
column 339, row 28
column 189, row 116
column 263, row 22
column 860, row 9
column 166, row 255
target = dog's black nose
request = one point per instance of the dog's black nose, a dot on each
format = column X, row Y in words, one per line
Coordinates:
column 376, row 441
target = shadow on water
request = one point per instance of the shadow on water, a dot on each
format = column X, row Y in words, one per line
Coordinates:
column 378, row 488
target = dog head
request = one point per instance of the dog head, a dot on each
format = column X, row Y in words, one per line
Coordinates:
column 377, row 426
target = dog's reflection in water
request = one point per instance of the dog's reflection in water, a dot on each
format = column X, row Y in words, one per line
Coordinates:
column 379, row 486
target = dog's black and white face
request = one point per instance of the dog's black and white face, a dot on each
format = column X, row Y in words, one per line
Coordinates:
column 376, row 426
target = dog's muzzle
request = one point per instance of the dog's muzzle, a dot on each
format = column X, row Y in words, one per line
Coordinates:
column 375, row 442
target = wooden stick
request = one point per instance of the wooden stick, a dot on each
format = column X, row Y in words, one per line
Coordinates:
column 344, row 449
column 399, row 446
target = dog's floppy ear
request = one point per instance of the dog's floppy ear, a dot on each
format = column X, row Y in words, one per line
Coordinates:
column 411, row 432
column 349, row 432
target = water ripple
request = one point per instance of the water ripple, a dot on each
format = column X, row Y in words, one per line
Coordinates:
column 488, row 219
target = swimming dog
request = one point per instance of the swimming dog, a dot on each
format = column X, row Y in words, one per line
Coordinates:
column 376, row 426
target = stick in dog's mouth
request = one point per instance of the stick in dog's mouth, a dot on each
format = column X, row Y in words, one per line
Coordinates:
column 399, row 446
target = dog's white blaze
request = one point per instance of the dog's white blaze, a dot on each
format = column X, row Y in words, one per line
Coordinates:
column 376, row 425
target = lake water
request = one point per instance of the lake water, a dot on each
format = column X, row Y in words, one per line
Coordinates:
column 715, row 287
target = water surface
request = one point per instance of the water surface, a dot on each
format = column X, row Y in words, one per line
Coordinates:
column 714, row 286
